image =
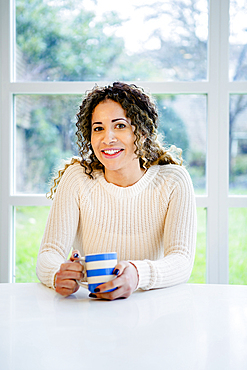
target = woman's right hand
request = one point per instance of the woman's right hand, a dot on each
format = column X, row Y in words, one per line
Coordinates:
column 70, row 271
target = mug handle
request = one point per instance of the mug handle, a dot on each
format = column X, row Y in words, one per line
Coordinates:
column 79, row 282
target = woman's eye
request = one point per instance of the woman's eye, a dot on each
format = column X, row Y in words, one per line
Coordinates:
column 98, row 128
column 120, row 125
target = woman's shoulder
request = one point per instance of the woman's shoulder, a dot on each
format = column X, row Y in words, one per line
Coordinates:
column 74, row 176
column 73, row 179
column 174, row 174
column 173, row 169
column 74, row 168
column 72, row 171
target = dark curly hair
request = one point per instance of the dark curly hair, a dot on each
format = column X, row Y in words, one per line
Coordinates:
column 141, row 110
column 143, row 114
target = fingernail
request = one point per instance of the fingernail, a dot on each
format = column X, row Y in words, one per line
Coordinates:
column 96, row 290
column 75, row 255
column 116, row 272
column 91, row 295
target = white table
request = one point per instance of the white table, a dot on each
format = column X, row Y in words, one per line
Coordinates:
column 184, row 327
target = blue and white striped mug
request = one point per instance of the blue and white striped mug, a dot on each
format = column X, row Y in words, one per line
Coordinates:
column 98, row 269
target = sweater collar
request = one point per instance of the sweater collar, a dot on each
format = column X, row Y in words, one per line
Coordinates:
column 132, row 190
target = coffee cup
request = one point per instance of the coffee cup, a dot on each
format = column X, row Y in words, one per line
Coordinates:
column 98, row 269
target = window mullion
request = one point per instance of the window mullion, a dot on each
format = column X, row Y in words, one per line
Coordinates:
column 212, row 143
column 69, row 87
column 6, row 221
column 223, row 154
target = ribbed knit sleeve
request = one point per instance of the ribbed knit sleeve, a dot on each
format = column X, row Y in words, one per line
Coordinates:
column 61, row 227
column 179, row 235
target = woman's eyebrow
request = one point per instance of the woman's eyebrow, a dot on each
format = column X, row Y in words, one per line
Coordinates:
column 119, row 119
column 113, row 120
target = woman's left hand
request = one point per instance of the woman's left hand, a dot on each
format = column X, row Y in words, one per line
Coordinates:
column 126, row 282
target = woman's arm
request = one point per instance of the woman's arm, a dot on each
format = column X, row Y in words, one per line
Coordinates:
column 60, row 228
column 179, row 240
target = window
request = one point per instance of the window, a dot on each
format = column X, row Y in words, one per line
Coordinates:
column 52, row 51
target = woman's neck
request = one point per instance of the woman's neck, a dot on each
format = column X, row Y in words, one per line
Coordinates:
column 124, row 179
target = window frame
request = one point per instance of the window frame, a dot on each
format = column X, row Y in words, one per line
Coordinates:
column 217, row 88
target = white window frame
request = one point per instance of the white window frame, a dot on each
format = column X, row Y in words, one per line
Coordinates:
column 218, row 88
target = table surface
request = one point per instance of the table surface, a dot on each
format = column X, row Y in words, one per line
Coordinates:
column 190, row 326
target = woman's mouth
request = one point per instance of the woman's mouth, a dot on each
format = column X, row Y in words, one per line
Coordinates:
column 111, row 153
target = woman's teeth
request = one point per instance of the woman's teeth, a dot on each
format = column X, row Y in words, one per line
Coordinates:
column 111, row 152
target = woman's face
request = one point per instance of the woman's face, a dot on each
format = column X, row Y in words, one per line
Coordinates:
column 112, row 138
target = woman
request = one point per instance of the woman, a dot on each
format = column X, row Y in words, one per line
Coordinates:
column 126, row 193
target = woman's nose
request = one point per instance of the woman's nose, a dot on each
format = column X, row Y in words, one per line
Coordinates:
column 109, row 137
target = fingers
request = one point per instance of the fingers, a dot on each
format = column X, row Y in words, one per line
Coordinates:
column 113, row 284
column 70, row 270
column 120, row 267
column 65, row 291
column 71, row 266
column 66, row 287
column 75, row 256
column 123, row 285
column 115, row 294
column 65, row 281
column 68, row 274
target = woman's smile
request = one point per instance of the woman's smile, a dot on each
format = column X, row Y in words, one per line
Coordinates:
column 112, row 153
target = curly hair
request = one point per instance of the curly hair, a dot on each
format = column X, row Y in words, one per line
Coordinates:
column 141, row 110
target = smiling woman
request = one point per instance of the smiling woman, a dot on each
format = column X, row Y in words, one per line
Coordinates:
column 127, row 193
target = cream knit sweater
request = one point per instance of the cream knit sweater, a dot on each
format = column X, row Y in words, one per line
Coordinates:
column 151, row 223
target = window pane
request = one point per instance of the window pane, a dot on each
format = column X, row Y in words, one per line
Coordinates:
column 45, row 134
column 183, row 123
column 199, row 270
column 237, row 245
column 29, row 227
column 238, row 41
column 238, row 144
column 101, row 39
